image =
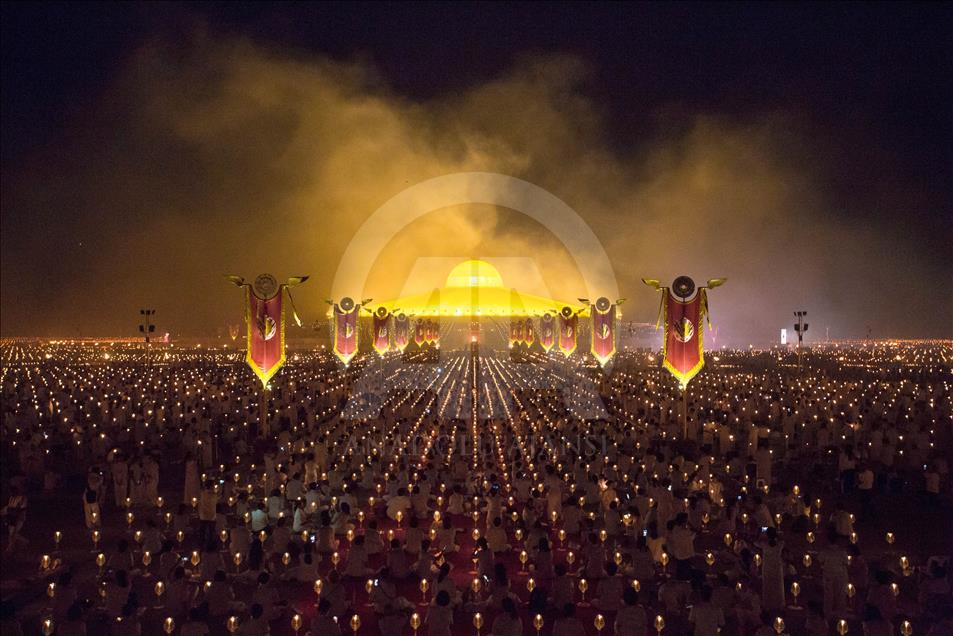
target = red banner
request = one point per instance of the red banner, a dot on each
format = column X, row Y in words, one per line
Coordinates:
column 682, row 348
column 603, row 314
column 568, row 326
column 381, row 325
column 344, row 330
column 265, row 320
column 547, row 332
column 419, row 333
column 529, row 334
column 401, row 332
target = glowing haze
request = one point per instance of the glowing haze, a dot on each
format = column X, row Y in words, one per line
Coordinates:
column 222, row 157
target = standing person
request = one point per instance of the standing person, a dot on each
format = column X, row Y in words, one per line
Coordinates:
column 136, row 483
column 151, row 479
column 192, row 480
column 320, row 457
column 847, row 470
column 120, row 474
column 96, row 482
column 208, row 500
column 681, row 543
column 772, row 572
column 15, row 515
column 91, row 510
column 834, row 569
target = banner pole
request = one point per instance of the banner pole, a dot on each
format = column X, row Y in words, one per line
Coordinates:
column 263, row 413
column 684, row 412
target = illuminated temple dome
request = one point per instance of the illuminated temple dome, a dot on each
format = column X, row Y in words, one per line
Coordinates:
column 475, row 288
column 474, row 273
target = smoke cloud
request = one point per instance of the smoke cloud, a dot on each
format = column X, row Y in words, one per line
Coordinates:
column 218, row 156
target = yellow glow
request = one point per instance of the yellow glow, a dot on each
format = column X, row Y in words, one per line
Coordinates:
column 475, row 288
column 474, row 273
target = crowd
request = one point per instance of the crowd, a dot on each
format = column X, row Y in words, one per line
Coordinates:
column 476, row 494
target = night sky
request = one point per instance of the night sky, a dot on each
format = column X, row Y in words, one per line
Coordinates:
column 802, row 151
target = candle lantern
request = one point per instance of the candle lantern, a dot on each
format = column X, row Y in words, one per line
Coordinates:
column 779, row 625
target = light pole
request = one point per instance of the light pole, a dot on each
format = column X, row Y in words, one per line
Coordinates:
column 800, row 327
column 147, row 327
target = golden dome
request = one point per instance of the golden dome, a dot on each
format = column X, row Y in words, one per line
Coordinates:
column 474, row 273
